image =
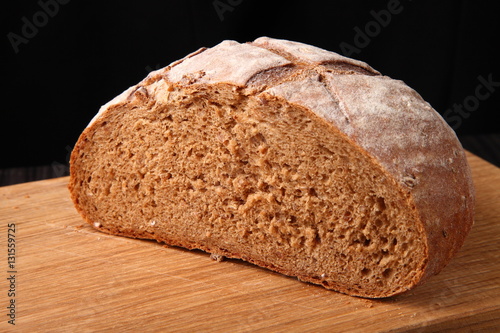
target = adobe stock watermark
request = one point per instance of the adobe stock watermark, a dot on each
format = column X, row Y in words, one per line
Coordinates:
column 455, row 115
column 373, row 28
column 60, row 169
column 31, row 27
column 150, row 69
column 222, row 7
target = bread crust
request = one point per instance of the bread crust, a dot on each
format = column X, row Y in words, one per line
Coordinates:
column 388, row 121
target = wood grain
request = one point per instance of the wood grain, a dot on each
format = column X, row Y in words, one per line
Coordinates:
column 71, row 278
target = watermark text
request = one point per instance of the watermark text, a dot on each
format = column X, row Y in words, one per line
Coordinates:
column 455, row 115
column 11, row 273
column 223, row 6
column 373, row 28
column 31, row 27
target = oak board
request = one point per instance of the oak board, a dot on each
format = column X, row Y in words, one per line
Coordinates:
column 70, row 278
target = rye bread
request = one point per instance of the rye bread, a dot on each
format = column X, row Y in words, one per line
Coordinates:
column 285, row 155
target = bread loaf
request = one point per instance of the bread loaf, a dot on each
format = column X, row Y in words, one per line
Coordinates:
column 285, row 155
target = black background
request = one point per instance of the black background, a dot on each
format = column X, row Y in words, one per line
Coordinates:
column 87, row 52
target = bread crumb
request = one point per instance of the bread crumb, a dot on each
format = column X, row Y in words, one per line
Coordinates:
column 368, row 304
column 27, row 196
column 217, row 257
column 97, row 224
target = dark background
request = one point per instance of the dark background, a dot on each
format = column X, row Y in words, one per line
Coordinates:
column 83, row 53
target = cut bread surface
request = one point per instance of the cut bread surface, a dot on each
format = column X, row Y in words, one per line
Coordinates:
column 252, row 173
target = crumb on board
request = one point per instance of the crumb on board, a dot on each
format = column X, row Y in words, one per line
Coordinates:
column 367, row 303
column 217, row 257
column 27, row 196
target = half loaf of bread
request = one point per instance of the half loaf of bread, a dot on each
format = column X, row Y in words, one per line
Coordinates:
column 285, row 155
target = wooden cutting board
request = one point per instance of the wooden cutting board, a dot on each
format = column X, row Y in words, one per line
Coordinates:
column 70, row 278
